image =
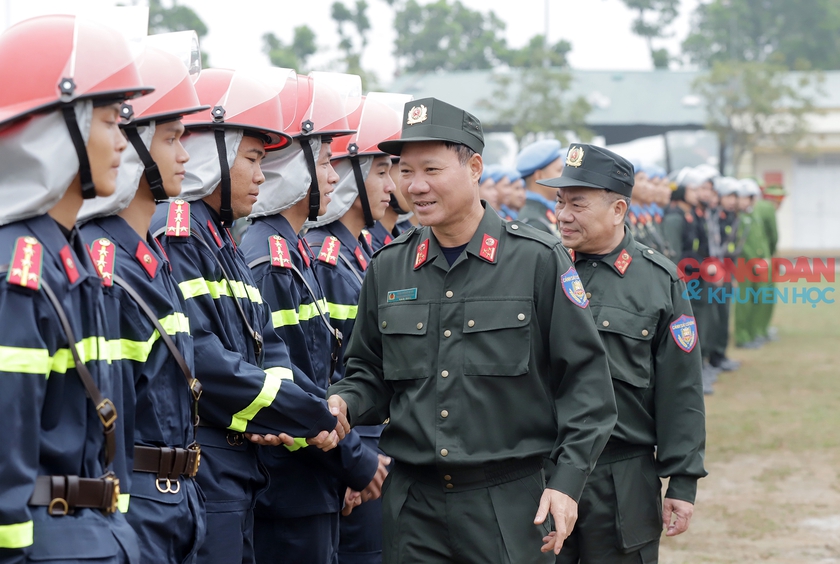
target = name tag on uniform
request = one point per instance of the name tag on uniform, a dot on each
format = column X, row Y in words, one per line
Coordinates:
column 402, row 295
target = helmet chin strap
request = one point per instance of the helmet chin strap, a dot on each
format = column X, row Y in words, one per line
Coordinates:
column 395, row 205
column 353, row 149
column 225, row 210
column 314, row 191
column 150, row 166
column 67, row 87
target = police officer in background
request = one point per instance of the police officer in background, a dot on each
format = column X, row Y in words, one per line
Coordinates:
column 59, row 399
column 539, row 161
column 463, row 340
column 650, row 335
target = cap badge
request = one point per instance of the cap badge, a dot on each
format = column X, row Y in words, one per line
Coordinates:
column 575, row 157
column 417, row 114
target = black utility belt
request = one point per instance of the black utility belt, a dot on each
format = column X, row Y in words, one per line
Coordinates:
column 62, row 494
column 168, row 463
column 462, row 478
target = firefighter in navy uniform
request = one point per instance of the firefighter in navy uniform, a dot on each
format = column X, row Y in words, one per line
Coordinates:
column 59, row 401
column 166, row 509
column 362, row 197
column 243, row 365
column 538, row 161
column 650, row 335
column 462, row 340
column 397, row 218
column 296, row 519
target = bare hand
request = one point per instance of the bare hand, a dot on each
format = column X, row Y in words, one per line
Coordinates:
column 338, row 407
column 678, row 510
column 270, row 440
column 326, row 440
column 564, row 511
column 352, row 498
column 374, row 489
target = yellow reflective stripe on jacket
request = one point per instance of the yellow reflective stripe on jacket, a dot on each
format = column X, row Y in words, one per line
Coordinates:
column 126, row 349
column 19, row 535
column 200, row 286
column 299, row 444
column 273, row 378
column 122, row 502
column 38, row 361
column 285, row 317
column 342, row 311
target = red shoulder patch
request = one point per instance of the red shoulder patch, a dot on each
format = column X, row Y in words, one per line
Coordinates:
column 215, row 233
column 103, row 253
column 178, row 219
column 304, row 251
column 146, row 258
column 489, row 247
column 329, row 250
column 623, row 261
column 360, row 258
column 422, row 254
column 279, row 252
column 25, row 269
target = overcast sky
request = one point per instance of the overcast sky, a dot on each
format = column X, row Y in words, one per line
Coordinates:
column 599, row 30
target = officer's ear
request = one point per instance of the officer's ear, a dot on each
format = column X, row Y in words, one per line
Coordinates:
column 475, row 165
column 619, row 207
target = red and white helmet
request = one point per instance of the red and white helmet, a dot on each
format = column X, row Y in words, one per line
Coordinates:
column 378, row 118
column 52, row 62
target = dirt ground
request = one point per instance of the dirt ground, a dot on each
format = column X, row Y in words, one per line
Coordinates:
column 773, row 452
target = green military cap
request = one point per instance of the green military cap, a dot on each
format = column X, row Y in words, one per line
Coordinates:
column 589, row 166
column 775, row 190
column 430, row 119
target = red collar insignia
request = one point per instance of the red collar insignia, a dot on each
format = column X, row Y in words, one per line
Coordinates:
column 422, row 254
column 689, row 218
column 388, row 239
column 279, row 252
column 368, row 237
column 215, row 233
column 26, row 263
column 178, row 219
column 571, row 254
column 549, row 215
column 489, row 247
column 304, row 251
column 329, row 250
column 146, row 259
column 232, row 242
column 623, row 261
column 162, row 250
column 360, row 258
column 103, row 252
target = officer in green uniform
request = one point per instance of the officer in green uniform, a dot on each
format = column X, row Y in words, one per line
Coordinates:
column 650, row 335
column 535, row 162
column 474, row 337
column 765, row 209
column 753, row 243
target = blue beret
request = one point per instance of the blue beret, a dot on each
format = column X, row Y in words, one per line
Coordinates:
column 497, row 173
column 512, row 174
column 488, row 172
column 537, row 155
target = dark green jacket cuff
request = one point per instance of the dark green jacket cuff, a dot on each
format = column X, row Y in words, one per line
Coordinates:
column 683, row 488
column 567, row 479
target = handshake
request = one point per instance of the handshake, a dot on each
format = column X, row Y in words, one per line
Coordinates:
column 326, row 440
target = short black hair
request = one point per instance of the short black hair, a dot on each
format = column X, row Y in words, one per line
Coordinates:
column 612, row 197
column 464, row 152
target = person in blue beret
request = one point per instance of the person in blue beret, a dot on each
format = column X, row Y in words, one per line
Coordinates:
column 487, row 187
column 540, row 161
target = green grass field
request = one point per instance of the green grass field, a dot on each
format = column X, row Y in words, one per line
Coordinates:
column 773, row 451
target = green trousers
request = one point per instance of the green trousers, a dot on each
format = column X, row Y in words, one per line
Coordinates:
column 426, row 523
column 619, row 516
column 749, row 314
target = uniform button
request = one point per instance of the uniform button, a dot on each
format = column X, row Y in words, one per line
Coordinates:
column 514, row 226
column 588, row 295
column 444, row 452
column 650, row 251
column 521, row 317
column 449, row 486
column 419, row 325
column 449, row 293
column 594, row 265
column 444, row 373
column 447, row 333
column 470, row 323
column 147, row 259
column 606, row 323
column 444, row 414
column 644, row 332
column 447, row 477
column 384, row 324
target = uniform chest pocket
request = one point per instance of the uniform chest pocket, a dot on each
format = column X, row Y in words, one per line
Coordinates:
column 497, row 337
column 405, row 346
column 628, row 337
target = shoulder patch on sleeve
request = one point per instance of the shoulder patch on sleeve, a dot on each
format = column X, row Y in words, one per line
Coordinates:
column 520, row 229
column 573, row 288
column 279, row 252
column 103, row 253
column 684, row 332
column 659, row 259
column 25, row 269
column 178, row 219
column 329, row 250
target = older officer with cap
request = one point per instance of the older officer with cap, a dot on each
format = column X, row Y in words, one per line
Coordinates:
column 462, row 339
column 651, row 339
column 540, row 161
